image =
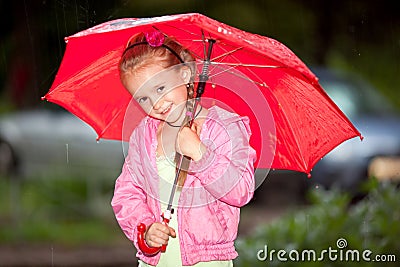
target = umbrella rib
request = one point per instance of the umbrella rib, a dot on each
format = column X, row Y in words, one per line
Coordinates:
column 247, row 65
column 227, row 53
column 181, row 29
column 109, row 124
column 204, row 44
column 230, row 53
column 192, row 33
column 263, row 84
column 305, row 165
column 238, row 75
column 185, row 31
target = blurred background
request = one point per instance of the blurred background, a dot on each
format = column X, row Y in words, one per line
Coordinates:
column 56, row 181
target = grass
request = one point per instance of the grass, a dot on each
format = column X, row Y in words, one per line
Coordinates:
column 61, row 210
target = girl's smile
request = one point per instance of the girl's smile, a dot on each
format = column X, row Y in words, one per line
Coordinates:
column 168, row 109
column 161, row 92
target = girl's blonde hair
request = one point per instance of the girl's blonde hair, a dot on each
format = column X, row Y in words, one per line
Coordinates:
column 140, row 54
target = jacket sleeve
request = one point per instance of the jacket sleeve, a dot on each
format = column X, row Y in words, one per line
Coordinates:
column 130, row 199
column 226, row 170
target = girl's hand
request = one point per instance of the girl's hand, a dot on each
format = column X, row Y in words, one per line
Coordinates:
column 188, row 142
column 158, row 234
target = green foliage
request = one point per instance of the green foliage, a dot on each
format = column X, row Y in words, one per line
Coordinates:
column 371, row 224
column 62, row 210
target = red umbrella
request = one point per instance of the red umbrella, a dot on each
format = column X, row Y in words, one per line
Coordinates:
column 275, row 86
column 293, row 121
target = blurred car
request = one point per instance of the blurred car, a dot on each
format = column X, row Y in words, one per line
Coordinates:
column 53, row 141
column 347, row 165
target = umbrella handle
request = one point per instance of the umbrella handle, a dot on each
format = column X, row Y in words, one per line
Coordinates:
column 146, row 249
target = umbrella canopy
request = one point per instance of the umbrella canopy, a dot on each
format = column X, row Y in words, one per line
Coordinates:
column 291, row 116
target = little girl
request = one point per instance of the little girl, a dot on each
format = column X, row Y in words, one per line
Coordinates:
column 220, row 178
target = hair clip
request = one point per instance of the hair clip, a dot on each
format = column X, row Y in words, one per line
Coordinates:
column 154, row 38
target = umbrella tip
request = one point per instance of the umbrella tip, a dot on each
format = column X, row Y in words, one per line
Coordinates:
column 43, row 98
column 309, row 175
column 361, row 137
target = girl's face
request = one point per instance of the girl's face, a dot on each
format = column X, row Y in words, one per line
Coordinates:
column 161, row 92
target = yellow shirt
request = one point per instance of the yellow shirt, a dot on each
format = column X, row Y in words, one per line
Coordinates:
column 172, row 256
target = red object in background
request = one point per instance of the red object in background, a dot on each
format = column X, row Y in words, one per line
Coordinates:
column 294, row 122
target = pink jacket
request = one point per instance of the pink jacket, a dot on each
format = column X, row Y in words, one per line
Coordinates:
column 215, row 188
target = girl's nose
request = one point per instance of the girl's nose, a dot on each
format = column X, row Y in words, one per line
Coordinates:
column 158, row 104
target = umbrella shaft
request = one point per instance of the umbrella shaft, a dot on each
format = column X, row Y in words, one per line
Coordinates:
column 173, row 189
column 180, row 159
column 203, row 77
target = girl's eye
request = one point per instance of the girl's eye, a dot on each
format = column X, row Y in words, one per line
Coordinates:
column 142, row 100
column 160, row 89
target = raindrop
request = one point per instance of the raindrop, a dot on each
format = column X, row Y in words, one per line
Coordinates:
column 67, row 151
column 52, row 256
